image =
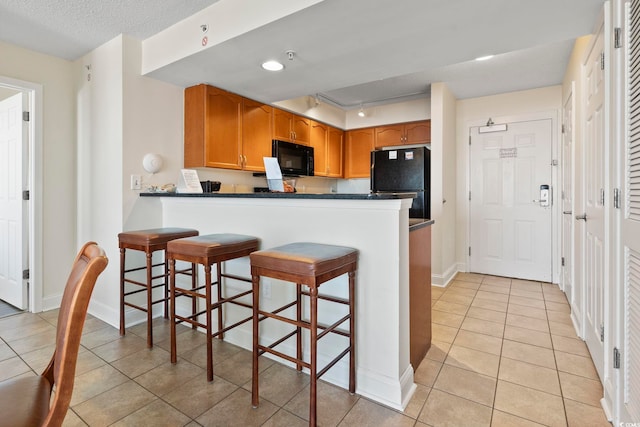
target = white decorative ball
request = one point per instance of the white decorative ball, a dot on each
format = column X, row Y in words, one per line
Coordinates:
column 152, row 163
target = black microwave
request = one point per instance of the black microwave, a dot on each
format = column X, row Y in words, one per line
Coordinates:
column 294, row 159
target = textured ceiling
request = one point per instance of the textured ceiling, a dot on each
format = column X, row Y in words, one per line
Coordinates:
column 70, row 28
column 349, row 52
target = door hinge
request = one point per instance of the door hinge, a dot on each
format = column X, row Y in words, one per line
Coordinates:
column 602, row 60
column 562, row 261
column 616, row 358
column 616, row 198
column 25, row 274
column 563, row 128
column 469, row 139
column 602, row 196
column 25, row 116
column 617, row 37
column 469, row 195
column 469, row 250
column 602, row 332
column 25, row 195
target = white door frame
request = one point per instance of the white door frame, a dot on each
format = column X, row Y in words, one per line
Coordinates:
column 570, row 98
column 554, row 115
column 34, row 92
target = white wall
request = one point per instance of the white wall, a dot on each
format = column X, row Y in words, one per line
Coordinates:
column 443, row 183
column 58, row 151
column 100, row 140
column 475, row 112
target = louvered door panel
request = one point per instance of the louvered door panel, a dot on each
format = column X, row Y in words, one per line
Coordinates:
column 630, row 225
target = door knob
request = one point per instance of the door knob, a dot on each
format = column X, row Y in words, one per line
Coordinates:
column 582, row 217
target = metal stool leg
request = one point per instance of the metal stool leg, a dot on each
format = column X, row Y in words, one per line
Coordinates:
column 172, row 293
column 149, row 299
column 207, row 283
column 122, row 268
column 255, row 398
column 352, row 332
column 313, row 302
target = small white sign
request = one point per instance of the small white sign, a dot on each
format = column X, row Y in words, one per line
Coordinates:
column 274, row 174
column 393, row 154
column 189, row 182
column 508, row 153
column 408, row 155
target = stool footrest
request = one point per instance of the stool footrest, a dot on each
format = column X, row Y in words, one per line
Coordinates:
column 333, row 362
column 332, row 328
column 225, row 329
column 264, row 349
column 144, row 267
column 328, row 298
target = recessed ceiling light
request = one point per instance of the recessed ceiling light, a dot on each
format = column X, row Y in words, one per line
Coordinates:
column 272, row 66
column 484, row 58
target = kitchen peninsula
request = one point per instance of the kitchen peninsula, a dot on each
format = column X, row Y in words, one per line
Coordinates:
column 375, row 224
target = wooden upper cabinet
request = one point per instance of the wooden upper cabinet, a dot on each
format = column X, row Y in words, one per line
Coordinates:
column 282, row 125
column 357, row 153
column 256, row 134
column 319, row 134
column 291, row 127
column 301, row 130
column 223, row 145
column 389, row 135
column 213, row 128
column 335, row 150
column 225, row 130
column 418, row 132
column 403, row 134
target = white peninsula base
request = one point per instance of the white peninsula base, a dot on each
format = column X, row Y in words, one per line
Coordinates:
column 378, row 228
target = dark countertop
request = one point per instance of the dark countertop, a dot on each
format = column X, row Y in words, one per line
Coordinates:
column 343, row 196
column 416, row 223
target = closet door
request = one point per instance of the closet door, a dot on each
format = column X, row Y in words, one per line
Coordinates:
column 629, row 249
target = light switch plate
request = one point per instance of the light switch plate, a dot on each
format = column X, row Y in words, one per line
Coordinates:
column 136, row 182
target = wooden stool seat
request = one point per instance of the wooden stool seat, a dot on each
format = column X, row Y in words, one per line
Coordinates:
column 147, row 241
column 309, row 264
column 208, row 250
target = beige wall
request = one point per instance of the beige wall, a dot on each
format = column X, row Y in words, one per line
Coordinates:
column 59, row 243
column 443, row 183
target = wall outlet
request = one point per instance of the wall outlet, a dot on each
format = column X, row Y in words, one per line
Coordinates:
column 136, row 182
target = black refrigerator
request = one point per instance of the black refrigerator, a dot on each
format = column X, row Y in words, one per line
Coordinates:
column 404, row 170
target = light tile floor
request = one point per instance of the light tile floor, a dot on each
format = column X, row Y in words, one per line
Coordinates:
column 504, row 353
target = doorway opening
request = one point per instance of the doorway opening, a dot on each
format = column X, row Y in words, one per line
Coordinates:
column 27, row 263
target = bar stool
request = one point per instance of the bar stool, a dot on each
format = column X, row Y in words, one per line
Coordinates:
column 309, row 264
column 208, row 250
column 147, row 241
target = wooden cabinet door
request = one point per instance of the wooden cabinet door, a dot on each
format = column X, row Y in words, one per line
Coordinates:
column 194, row 126
column 389, row 135
column 418, row 132
column 334, row 152
column 319, row 144
column 419, row 294
column 256, row 134
column 301, row 127
column 223, row 129
column 282, row 125
column 358, row 153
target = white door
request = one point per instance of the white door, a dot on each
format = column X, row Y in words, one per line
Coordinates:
column 567, row 197
column 594, row 199
column 13, row 288
column 510, row 229
column 629, row 249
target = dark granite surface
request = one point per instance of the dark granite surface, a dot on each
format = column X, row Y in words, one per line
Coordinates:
column 416, row 223
column 344, row 196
